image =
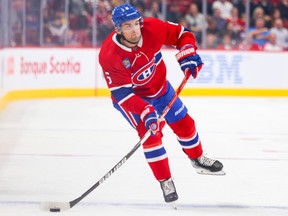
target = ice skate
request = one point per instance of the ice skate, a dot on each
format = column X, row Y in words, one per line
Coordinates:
column 169, row 191
column 205, row 165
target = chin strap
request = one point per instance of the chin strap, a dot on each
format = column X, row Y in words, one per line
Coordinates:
column 124, row 38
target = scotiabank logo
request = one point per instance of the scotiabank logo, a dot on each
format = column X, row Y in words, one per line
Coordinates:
column 10, row 66
column 52, row 66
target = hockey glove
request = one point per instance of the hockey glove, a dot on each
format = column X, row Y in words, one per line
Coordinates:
column 189, row 60
column 149, row 117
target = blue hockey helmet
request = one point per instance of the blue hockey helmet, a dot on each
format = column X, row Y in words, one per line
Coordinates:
column 124, row 13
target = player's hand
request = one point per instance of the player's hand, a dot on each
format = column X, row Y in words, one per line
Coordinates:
column 150, row 119
column 189, row 60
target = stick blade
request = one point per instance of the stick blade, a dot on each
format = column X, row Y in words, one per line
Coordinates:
column 55, row 206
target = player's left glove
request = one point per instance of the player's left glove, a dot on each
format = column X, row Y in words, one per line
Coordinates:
column 189, row 60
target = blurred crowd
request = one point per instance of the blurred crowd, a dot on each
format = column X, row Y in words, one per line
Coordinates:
column 87, row 22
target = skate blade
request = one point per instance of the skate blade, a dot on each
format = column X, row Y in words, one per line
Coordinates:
column 207, row 172
column 173, row 205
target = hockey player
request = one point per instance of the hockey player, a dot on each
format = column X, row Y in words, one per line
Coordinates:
column 135, row 73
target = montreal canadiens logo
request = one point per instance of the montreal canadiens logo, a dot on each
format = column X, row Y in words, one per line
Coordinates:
column 144, row 74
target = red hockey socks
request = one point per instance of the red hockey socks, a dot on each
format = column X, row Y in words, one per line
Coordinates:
column 158, row 161
column 188, row 136
column 155, row 153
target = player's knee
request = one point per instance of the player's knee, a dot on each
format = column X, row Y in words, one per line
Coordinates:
column 153, row 141
column 185, row 127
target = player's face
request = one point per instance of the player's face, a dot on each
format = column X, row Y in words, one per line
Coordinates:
column 131, row 31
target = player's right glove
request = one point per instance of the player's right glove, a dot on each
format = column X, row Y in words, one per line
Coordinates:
column 150, row 119
column 189, row 60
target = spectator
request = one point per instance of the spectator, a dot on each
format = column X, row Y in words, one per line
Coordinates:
column 221, row 23
column 224, row 6
column 196, row 21
column 211, row 41
column 102, row 11
column 184, row 23
column 259, row 33
column 140, row 6
column 283, row 7
column 276, row 15
column 58, row 29
column 72, row 39
column 227, row 43
column 237, row 23
column 114, row 3
column 53, row 6
column 212, row 30
column 173, row 13
column 259, row 13
column 247, row 44
column 253, row 5
column 268, row 9
column 241, row 7
column 16, row 35
column 235, row 36
column 154, row 11
column 271, row 45
column 47, row 35
column 137, row 3
column 79, row 17
column 280, row 32
column 16, row 23
column 235, row 26
column 105, row 28
column 32, row 22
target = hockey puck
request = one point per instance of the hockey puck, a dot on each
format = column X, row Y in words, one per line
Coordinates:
column 54, row 209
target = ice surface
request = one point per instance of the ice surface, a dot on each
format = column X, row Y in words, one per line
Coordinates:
column 56, row 149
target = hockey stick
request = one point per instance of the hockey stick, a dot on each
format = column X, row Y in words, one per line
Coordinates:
column 61, row 206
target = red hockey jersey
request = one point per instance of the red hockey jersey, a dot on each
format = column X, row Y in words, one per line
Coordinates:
column 134, row 74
